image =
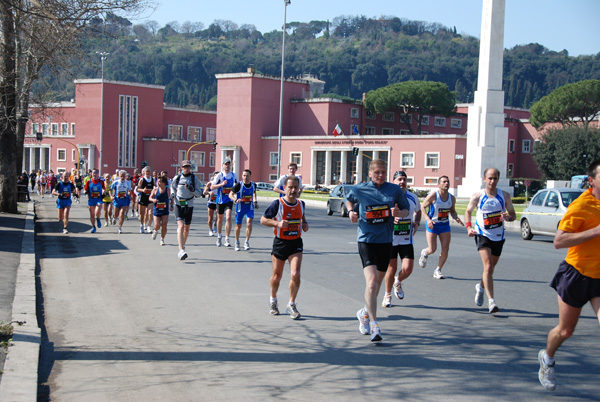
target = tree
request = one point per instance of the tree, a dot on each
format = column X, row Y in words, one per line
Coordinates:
column 568, row 105
column 567, row 152
column 407, row 98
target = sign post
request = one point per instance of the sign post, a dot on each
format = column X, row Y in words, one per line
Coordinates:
column 527, row 184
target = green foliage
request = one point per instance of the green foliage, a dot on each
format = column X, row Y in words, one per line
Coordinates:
column 567, row 152
column 568, row 104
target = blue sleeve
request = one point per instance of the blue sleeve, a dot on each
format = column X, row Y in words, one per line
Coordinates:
column 351, row 197
column 402, row 201
column 272, row 209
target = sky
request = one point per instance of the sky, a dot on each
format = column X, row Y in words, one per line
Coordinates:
column 572, row 25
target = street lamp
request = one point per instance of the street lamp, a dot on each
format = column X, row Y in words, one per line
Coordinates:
column 103, row 56
column 285, row 4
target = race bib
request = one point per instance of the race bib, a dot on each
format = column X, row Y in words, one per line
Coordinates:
column 121, row 194
column 377, row 214
column 443, row 214
column 161, row 205
column 293, row 228
column 147, row 190
column 402, row 228
column 95, row 194
column 213, row 197
column 66, row 195
column 492, row 220
column 247, row 199
column 226, row 190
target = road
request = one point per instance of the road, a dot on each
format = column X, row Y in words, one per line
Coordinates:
column 126, row 321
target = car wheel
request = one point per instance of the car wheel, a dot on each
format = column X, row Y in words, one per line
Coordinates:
column 344, row 210
column 526, row 230
column 329, row 211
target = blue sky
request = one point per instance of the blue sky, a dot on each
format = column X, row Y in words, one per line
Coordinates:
column 573, row 25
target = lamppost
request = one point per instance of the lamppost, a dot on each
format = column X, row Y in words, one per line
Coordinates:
column 103, row 56
column 285, row 4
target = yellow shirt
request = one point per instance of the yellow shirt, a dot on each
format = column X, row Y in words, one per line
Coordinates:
column 583, row 214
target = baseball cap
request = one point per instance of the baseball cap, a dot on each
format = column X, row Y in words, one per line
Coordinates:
column 227, row 160
column 399, row 173
column 186, row 163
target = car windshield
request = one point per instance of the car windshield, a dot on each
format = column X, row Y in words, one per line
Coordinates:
column 569, row 196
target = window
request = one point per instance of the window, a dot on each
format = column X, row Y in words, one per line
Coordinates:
column 211, row 134
column 407, row 160
column 387, row 131
column 354, row 113
column 181, row 156
column 197, row 158
column 273, row 159
column 455, row 123
column 127, row 131
column 526, row 146
column 552, row 198
column 424, row 132
column 211, row 162
column 431, row 181
column 388, row 116
column 175, row 132
column 296, row 157
column 354, row 129
column 440, row 122
column 511, row 146
column 273, row 177
column 194, row 134
column 510, row 170
column 73, row 129
column 61, row 155
column 371, row 115
column 410, row 180
column 73, row 155
column 54, row 128
column 539, row 198
column 201, row 177
column 425, row 121
column 404, row 132
column 369, row 130
column 35, row 128
column 409, row 116
column 432, row 160
column 64, row 129
column 45, row 129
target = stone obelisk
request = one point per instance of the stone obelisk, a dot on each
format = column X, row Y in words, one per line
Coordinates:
column 487, row 138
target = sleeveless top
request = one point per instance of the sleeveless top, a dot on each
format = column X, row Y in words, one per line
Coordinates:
column 439, row 211
column 488, row 220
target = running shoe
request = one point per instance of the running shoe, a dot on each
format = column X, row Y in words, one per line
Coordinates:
column 546, row 373
column 65, row 231
column 77, row 200
column 363, row 319
column 293, row 311
column 375, row 332
column 94, row 229
column 211, row 233
column 142, row 230
column 478, row 295
column 274, row 309
column 219, row 241
column 423, row 258
column 387, row 300
column 126, row 217
column 148, row 229
column 246, row 245
column 182, row 255
column 162, row 242
column 120, row 230
column 154, row 234
column 237, row 245
column 493, row 306
column 134, row 214
column 437, row 274
column 398, row 289
column 98, row 223
column 227, row 243
column 114, row 221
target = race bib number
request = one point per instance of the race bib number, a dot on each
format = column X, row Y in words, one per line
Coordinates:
column 65, row 195
column 377, row 214
column 402, row 228
column 247, row 199
column 121, row 194
column 293, row 228
column 183, row 203
column 95, row 194
column 147, row 190
column 213, row 197
column 443, row 215
column 226, row 190
column 161, row 205
column 492, row 220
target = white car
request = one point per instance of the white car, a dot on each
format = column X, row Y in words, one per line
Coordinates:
column 264, row 186
column 545, row 211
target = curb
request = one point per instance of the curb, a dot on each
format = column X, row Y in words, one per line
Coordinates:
column 20, row 377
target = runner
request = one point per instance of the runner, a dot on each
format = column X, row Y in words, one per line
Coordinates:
column 278, row 186
column 94, row 189
column 134, row 192
column 441, row 207
column 577, row 280
column 42, row 183
column 120, row 190
column 246, row 201
column 493, row 207
column 108, row 207
column 223, row 183
column 63, row 191
column 185, row 187
column 286, row 216
column 211, row 205
column 161, row 198
column 145, row 184
column 78, row 182
column 402, row 244
column 377, row 201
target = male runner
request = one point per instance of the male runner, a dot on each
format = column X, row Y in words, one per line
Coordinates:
column 577, row 280
column 185, row 187
column 63, row 191
column 278, row 187
column 286, row 216
column 223, row 183
column 402, row 244
column 246, row 201
column 120, row 190
column 211, row 205
column 95, row 189
column 377, row 203
column 493, row 207
column 441, row 207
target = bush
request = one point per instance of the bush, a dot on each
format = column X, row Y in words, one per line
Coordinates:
column 519, row 200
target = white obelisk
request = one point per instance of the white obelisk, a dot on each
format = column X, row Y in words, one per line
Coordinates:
column 487, row 138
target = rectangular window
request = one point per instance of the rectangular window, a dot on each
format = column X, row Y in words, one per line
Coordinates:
column 273, row 159
column 354, row 130
column 73, row 155
column 61, row 155
column 371, row 115
column 425, row 121
column 354, row 113
column 194, row 134
column 388, row 116
column 45, row 129
column 511, row 146
column 127, row 131
column 64, row 129
column 410, row 180
column 440, row 122
column 387, row 131
column 369, row 130
column 197, row 159
column 175, row 132
column 510, row 170
column 526, row 146
column 73, row 129
column 54, row 128
column 211, row 162
column 455, row 123
column 296, row 157
column 407, row 159
column 404, row 132
column 211, row 134
column 432, row 160
column 35, row 128
column 272, row 177
column 431, row 181
column 405, row 116
column 181, row 156
column 201, row 177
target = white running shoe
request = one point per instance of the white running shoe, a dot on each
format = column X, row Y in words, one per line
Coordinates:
column 375, row 332
column 182, row 255
column 479, row 295
column 148, row 229
column 237, row 245
column 437, row 274
column 546, row 374
column 363, row 319
column 246, row 245
column 142, row 230
column 211, row 233
column 423, row 258
column 120, row 230
column 293, row 311
column 274, row 309
column 387, row 300
column 162, row 241
column 114, row 221
column 65, row 231
column 227, row 243
column 398, row 289
column 493, row 307
column 154, row 234
column 219, row 241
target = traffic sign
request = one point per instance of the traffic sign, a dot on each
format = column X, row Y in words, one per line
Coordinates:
column 527, row 183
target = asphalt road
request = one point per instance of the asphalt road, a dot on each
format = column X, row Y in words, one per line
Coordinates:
column 125, row 320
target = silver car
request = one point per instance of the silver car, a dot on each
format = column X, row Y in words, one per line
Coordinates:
column 545, row 211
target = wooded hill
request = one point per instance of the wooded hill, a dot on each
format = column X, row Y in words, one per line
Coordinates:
column 352, row 54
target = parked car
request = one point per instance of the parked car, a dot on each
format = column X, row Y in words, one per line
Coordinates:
column 264, row 186
column 315, row 190
column 545, row 211
column 337, row 199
